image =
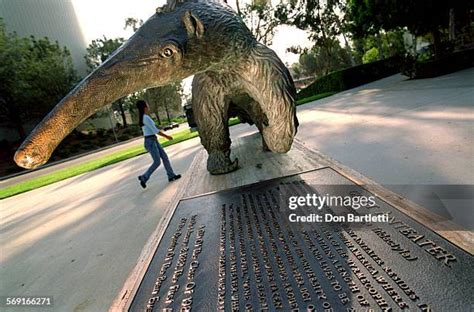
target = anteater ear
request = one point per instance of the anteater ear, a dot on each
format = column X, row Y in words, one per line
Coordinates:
column 193, row 25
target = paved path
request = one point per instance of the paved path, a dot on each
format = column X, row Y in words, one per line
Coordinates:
column 414, row 137
column 78, row 239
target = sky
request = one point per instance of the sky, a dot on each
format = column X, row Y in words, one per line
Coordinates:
column 107, row 17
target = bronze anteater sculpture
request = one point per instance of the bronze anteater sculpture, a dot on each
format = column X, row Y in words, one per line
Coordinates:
column 233, row 73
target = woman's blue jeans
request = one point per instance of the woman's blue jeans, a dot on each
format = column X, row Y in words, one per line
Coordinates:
column 156, row 152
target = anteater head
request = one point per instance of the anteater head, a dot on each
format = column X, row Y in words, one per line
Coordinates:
column 169, row 47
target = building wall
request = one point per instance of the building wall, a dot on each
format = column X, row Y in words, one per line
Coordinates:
column 55, row 19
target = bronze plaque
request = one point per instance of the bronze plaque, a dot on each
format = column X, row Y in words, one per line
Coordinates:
column 237, row 250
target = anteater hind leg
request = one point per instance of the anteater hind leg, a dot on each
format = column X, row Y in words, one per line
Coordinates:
column 210, row 112
column 260, row 120
column 264, row 144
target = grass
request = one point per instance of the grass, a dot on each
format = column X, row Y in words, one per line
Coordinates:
column 314, row 98
column 234, row 121
column 72, row 171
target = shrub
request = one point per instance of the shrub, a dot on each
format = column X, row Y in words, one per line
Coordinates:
column 73, row 149
column 370, row 56
column 179, row 120
column 64, row 154
column 5, row 147
column 127, row 131
column 415, row 68
column 124, row 137
column 88, row 145
column 11, row 170
column 352, row 77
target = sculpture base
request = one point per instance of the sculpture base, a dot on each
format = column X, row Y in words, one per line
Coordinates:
column 236, row 250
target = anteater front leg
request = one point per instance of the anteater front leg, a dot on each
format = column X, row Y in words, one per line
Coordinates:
column 210, row 112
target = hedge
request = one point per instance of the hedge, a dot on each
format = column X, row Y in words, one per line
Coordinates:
column 437, row 67
column 352, row 77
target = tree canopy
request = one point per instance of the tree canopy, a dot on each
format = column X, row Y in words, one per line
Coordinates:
column 99, row 50
column 420, row 17
column 35, row 74
column 165, row 99
column 261, row 17
column 319, row 61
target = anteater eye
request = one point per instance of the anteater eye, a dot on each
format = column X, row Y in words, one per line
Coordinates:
column 167, row 52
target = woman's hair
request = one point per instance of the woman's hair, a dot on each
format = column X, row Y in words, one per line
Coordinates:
column 141, row 111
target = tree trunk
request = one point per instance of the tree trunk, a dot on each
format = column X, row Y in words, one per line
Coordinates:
column 437, row 43
column 391, row 48
column 349, row 50
column 19, row 129
column 380, row 46
column 359, row 48
column 167, row 112
column 157, row 117
column 452, row 25
column 237, row 5
column 415, row 43
column 122, row 112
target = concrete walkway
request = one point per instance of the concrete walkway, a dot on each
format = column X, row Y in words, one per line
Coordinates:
column 415, row 137
column 78, row 239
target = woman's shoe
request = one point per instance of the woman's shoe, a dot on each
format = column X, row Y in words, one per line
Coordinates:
column 175, row 177
column 142, row 183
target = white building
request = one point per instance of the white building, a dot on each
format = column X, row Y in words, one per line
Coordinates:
column 55, row 19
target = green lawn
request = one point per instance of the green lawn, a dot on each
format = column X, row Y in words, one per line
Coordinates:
column 314, row 98
column 112, row 159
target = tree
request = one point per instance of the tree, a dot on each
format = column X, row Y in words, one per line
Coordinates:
column 133, row 23
column 167, row 99
column 129, row 102
column 318, row 62
column 420, row 17
column 373, row 47
column 261, row 17
column 371, row 55
column 35, row 74
column 308, row 63
column 296, row 71
column 97, row 52
column 323, row 19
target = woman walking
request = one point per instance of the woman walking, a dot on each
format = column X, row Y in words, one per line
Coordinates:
column 152, row 145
